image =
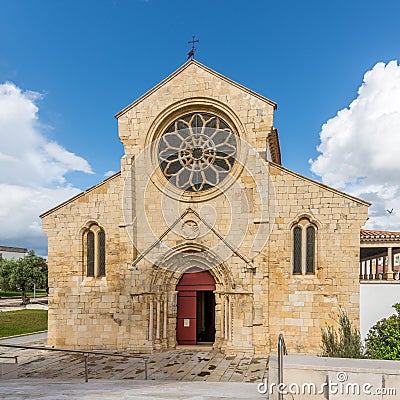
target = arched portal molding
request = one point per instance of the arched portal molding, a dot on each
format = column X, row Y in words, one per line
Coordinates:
column 189, row 257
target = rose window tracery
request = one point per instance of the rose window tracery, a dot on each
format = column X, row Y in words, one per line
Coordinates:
column 197, row 151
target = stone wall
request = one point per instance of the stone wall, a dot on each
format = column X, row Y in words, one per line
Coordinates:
column 87, row 312
column 321, row 378
column 195, row 87
column 301, row 304
column 257, row 296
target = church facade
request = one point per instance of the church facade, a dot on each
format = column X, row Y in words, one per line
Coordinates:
column 203, row 237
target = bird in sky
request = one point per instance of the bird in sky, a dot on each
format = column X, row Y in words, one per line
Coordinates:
column 390, row 211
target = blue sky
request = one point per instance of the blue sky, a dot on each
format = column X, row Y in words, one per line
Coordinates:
column 86, row 60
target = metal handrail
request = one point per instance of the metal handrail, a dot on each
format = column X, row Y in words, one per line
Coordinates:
column 84, row 353
column 281, row 352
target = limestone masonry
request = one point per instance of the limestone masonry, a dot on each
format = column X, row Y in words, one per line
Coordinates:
column 279, row 251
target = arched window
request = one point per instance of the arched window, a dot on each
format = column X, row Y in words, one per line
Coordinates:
column 90, row 253
column 310, row 250
column 102, row 253
column 95, row 247
column 304, row 247
column 297, row 250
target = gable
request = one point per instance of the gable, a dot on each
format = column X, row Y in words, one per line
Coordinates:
column 83, row 196
column 276, row 169
column 196, row 88
column 190, row 65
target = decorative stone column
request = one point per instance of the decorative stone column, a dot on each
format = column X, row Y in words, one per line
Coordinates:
column 222, row 316
column 219, row 321
column 226, row 318
column 172, row 310
column 151, row 320
column 165, row 321
column 158, row 319
column 229, row 319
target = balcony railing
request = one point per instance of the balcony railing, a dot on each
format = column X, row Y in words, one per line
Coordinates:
column 370, row 270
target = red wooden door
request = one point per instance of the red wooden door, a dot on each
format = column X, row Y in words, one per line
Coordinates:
column 188, row 286
column 186, row 321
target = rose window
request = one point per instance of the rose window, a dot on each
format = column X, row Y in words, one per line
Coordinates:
column 197, row 151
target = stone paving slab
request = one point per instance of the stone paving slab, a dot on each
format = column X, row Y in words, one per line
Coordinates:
column 175, row 365
column 49, row 389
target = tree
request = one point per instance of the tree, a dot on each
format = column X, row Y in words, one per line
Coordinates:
column 344, row 342
column 22, row 274
column 383, row 339
column 6, row 267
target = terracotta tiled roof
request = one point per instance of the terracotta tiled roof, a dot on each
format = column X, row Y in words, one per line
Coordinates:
column 383, row 235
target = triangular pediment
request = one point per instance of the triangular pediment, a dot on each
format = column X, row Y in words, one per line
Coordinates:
column 187, row 67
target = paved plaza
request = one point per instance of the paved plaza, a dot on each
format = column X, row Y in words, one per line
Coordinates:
column 192, row 373
column 181, row 365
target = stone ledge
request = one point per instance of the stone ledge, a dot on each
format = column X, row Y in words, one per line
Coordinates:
column 341, row 374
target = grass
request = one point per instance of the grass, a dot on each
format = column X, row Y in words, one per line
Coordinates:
column 19, row 294
column 22, row 321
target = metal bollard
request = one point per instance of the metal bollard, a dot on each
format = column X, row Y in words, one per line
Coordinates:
column 145, row 367
column 86, row 367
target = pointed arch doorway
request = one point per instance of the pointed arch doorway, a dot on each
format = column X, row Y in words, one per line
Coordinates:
column 196, row 308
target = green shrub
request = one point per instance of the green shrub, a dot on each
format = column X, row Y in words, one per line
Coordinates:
column 345, row 341
column 383, row 339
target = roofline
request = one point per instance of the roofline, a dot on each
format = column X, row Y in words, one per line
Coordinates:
column 356, row 199
column 14, row 249
column 367, row 236
column 178, row 71
column 367, row 231
column 70, row 200
column 379, row 239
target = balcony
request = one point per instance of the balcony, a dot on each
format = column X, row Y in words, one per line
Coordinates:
column 379, row 256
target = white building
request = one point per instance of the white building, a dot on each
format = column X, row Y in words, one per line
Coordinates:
column 7, row 253
column 379, row 276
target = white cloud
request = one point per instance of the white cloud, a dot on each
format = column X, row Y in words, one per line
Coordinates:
column 69, row 161
column 109, row 173
column 32, row 169
column 360, row 146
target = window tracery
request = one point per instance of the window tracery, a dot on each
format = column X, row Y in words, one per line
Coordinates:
column 95, row 248
column 304, row 247
column 197, row 152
